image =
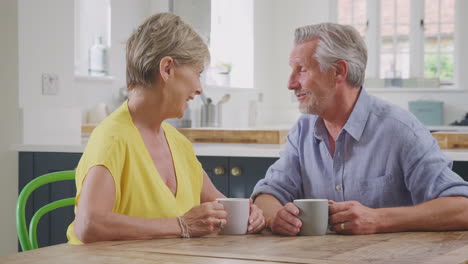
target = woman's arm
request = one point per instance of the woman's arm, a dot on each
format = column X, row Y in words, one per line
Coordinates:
column 209, row 191
column 95, row 221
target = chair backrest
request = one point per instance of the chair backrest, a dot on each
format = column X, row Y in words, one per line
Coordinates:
column 28, row 240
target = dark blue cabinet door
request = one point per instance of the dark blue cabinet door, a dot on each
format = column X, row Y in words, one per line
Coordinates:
column 52, row 227
column 461, row 168
column 217, row 169
column 251, row 171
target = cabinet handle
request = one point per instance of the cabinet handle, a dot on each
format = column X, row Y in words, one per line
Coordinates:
column 236, row 171
column 219, row 170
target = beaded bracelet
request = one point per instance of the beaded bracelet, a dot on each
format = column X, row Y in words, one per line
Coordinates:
column 183, row 227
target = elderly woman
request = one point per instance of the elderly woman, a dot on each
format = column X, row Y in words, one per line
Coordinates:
column 139, row 177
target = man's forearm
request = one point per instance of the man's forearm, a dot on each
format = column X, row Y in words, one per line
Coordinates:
column 441, row 214
column 269, row 205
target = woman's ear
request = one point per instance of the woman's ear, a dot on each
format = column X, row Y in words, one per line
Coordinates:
column 166, row 66
column 341, row 72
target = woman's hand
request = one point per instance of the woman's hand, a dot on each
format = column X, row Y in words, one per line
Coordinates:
column 256, row 219
column 207, row 218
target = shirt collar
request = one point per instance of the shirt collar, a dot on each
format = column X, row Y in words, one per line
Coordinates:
column 320, row 131
column 358, row 118
column 356, row 121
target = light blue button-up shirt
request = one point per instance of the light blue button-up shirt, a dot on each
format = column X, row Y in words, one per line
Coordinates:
column 384, row 157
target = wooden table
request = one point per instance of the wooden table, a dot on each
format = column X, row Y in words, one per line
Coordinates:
column 411, row 247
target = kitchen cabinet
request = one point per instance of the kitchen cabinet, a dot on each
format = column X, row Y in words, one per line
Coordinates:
column 52, row 227
column 461, row 167
column 235, row 176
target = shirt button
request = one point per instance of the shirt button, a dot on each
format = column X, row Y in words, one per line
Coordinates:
column 338, row 188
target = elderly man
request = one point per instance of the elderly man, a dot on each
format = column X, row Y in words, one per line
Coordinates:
column 380, row 167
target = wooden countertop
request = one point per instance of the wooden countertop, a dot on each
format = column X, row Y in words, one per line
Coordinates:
column 410, row 247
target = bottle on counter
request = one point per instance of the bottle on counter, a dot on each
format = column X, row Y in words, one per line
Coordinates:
column 98, row 58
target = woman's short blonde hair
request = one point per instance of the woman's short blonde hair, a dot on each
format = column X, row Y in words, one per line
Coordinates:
column 161, row 35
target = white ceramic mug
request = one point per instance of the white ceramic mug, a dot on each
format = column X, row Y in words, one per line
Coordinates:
column 314, row 216
column 238, row 210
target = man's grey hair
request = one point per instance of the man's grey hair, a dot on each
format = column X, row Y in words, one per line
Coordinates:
column 337, row 42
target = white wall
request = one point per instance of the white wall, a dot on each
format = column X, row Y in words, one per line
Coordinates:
column 9, row 118
column 275, row 21
column 46, row 37
column 126, row 16
column 46, row 45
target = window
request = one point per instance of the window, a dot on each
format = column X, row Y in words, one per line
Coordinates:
column 394, row 35
column 92, row 27
column 227, row 26
column 408, row 41
column 231, row 44
column 353, row 12
column 439, row 30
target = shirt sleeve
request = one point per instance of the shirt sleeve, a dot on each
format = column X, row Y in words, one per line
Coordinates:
column 427, row 171
column 105, row 151
column 284, row 179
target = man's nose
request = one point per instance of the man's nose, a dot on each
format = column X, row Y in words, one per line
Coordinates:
column 293, row 84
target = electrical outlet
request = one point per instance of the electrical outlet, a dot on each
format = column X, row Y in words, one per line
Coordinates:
column 50, row 84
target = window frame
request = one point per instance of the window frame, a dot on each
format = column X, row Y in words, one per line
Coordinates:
column 416, row 41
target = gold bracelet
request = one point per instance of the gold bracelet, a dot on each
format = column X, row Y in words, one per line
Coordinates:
column 183, row 227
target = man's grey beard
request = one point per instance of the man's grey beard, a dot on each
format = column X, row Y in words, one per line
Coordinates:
column 312, row 108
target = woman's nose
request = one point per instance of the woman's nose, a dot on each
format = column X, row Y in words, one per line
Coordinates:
column 199, row 90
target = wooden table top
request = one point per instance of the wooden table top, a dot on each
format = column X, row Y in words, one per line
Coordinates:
column 408, row 247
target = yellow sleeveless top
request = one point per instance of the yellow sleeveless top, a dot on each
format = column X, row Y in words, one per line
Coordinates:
column 139, row 189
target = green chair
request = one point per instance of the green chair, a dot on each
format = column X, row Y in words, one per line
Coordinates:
column 27, row 240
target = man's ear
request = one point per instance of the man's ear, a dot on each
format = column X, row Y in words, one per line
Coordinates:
column 341, row 72
column 166, row 68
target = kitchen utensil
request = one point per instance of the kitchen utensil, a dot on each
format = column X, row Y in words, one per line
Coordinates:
column 224, row 99
column 203, row 98
column 209, row 114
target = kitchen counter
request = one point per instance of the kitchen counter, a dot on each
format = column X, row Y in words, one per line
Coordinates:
column 214, row 149
column 201, row 149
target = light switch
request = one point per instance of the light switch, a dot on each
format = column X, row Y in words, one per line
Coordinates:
column 50, row 84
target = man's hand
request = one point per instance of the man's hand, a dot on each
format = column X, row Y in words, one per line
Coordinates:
column 353, row 218
column 256, row 219
column 285, row 221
